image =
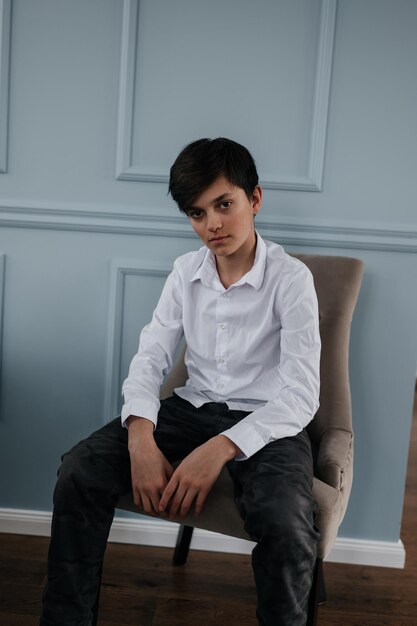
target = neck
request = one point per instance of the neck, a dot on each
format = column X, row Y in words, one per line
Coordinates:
column 231, row 268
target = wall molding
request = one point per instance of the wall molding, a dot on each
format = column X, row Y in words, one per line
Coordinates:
column 126, row 170
column 150, row 532
column 297, row 232
column 5, row 27
column 2, row 278
column 119, row 271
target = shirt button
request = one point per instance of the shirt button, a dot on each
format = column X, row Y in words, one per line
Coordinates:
column 222, row 326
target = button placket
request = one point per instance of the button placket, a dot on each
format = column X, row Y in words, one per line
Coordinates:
column 221, row 341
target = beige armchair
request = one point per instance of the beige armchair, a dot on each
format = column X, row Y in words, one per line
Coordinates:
column 337, row 281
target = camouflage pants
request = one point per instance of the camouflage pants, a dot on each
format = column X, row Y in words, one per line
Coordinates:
column 273, row 494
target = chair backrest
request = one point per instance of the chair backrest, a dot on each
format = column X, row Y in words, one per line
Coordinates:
column 337, row 281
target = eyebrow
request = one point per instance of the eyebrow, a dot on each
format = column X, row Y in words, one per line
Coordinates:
column 220, row 198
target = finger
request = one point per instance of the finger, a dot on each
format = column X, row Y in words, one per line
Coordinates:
column 201, row 498
column 177, row 501
column 146, row 503
column 158, row 503
column 167, row 494
column 169, row 470
column 155, row 499
column 136, row 498
column 187, row 502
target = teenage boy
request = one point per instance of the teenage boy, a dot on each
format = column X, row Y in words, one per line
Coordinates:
column 249, row 315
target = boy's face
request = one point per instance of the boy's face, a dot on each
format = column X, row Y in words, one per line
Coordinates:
column 222, row 216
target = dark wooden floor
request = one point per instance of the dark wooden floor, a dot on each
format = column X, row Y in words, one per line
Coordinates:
column 142, row 588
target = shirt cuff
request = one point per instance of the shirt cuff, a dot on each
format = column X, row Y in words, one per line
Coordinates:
column 246, row 438
column 140, row 408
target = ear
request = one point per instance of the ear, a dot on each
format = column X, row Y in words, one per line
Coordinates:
column 256, row 199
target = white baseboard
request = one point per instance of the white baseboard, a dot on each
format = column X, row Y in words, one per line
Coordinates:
column 149, row 532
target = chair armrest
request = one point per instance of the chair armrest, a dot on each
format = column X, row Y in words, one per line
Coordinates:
column 334, row 456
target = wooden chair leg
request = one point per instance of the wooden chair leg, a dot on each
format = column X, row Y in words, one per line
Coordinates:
column 317, row 593
column 322, row 595
column 183, row 545
column 96, row 604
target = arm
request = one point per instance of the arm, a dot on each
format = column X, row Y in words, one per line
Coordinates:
column 157, row 345
column 150, row 469
column 297, row 379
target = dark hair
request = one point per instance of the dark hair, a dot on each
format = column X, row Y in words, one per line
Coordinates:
column 201, row 162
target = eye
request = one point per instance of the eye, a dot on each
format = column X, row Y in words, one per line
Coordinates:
column 194, row 214
column 225, row 205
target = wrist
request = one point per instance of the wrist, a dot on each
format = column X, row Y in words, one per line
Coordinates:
column 228, row 447
column 140, row 428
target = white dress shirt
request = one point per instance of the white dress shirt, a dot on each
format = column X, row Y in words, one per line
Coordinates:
column 254, row 346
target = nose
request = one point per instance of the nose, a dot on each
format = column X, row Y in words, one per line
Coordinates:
column 214, row 222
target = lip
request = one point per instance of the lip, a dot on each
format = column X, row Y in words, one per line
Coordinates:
column 219, row 239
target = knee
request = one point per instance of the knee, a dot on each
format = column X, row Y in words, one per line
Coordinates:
column 71, row 476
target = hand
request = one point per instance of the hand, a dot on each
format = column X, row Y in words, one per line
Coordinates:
column 149, row 468
column 196, row 475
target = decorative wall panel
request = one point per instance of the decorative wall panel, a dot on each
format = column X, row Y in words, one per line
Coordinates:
column 193, row 76
column 2, row 268
column 5, row 8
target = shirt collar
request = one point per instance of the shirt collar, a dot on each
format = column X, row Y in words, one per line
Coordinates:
column 207, row 270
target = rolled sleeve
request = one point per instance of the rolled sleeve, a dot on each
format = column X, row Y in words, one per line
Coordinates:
column 141, row 408
column 245, row 436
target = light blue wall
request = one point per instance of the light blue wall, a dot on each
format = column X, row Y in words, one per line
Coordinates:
column 102, row 94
